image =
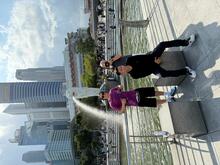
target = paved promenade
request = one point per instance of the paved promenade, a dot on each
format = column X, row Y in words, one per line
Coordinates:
column 178, row 19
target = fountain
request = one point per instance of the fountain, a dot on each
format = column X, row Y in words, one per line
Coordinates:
column 97, row 112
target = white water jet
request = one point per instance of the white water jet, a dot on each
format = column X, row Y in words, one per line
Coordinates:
column 99, row 113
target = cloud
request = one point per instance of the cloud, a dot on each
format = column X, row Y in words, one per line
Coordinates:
column 50, row 18
column 3, row 29
column 31, row 31
column 35, row 34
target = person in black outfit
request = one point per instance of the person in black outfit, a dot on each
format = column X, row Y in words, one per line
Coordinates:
column 143, row 65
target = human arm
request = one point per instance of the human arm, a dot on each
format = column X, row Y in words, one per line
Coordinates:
column 123, row 106
column 116, row 57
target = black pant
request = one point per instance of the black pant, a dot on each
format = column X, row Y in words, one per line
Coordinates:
column 158, row 51
column 170, row 73
column 144, row 94
column 144, row 65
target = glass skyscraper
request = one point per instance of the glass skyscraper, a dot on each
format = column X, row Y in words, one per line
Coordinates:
column 32, row 92
column 56, row 73
column 33, row 157
column 59, row 146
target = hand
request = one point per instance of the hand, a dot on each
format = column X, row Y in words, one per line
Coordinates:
column 110, row 61
column 123, row 106
column 120, row 86
column 157, row 60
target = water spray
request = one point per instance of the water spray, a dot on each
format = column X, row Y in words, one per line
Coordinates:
column 99, row 113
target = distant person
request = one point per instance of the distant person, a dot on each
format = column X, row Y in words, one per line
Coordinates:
column 112, row 27
column 141, row 97
column 111, row 10
column 139, row 66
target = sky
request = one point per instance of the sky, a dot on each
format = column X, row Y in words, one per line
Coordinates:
column 32, row 35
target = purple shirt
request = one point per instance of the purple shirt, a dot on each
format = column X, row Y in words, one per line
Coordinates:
column 115, row 96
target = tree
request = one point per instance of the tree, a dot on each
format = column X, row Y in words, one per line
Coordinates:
column 90, row 65
column 83, row 139
column 85, row 46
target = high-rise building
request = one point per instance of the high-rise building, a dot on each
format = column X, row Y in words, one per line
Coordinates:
column 33, row 157
column 45, row 105
column 56, row 73
column 37, row 133
column 22, row 109
column 65, row 162
column 47, row 114
column 59, row 146
column 38, row 136
column 32, row 92
column 87, row 6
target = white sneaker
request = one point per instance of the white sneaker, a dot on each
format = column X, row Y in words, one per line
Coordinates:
column 191, row 39
column 173, row 91
column 171, row 99
column 191, row 72
column 167, row 95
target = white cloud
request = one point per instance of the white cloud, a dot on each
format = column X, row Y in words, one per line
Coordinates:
column 31, row 31
column 50, row 18
column 3, row 29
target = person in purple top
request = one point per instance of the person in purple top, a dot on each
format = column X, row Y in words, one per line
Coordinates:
column 142, row 97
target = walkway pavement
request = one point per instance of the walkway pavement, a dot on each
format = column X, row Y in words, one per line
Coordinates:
column 178, row 19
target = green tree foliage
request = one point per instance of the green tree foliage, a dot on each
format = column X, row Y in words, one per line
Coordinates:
column 83, row 139
column 90, row 65
column 85, row 46
column 89, row 76
column 86, row 137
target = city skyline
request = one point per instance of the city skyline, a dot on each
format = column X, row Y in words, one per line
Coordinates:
column 32, row 35
column 44, row 102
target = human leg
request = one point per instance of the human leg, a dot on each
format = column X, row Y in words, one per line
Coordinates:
column 159, row 102
column 168, row 95
column 147, row 102
column 159, row 93
column 157, row 52
column 143, row 94
column 146, row 92
column 170, row 73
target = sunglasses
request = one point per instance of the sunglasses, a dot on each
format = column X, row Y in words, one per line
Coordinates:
column 101, row 95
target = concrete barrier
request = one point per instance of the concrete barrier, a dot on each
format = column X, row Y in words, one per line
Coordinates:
column 187, row 118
